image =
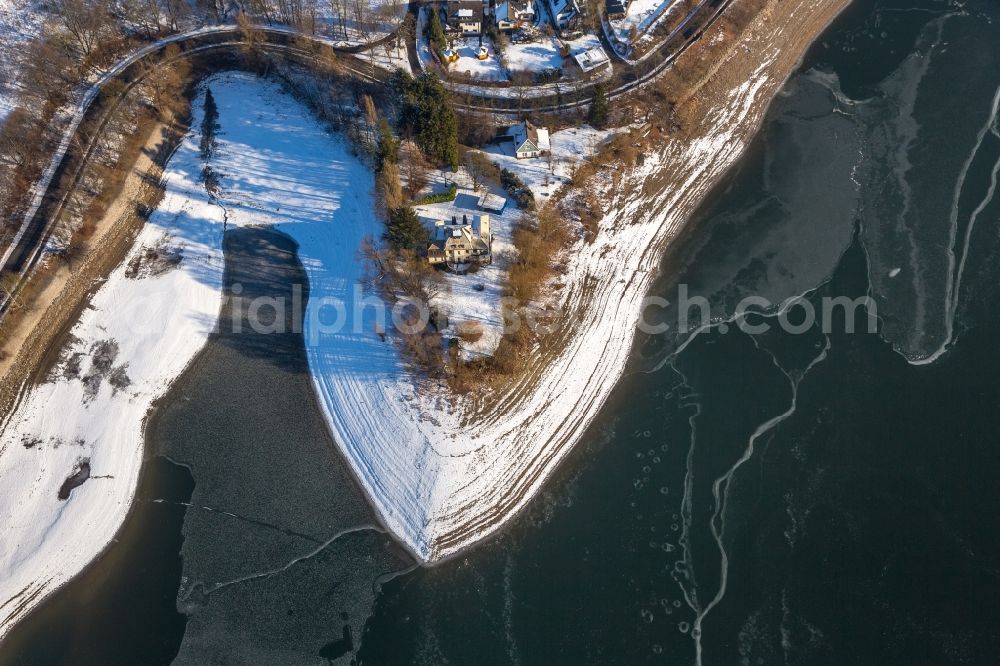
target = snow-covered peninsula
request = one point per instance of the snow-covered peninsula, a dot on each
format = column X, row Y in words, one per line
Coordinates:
column 441, row 470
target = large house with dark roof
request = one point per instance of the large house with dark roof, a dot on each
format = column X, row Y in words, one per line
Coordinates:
column 464, row 16
column 458, row 243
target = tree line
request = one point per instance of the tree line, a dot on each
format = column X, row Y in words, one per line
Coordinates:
column 81, row 36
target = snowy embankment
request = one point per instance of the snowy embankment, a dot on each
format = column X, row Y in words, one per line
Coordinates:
column 150, row 318
column 134, row 339
column 441, row 476
column 487, row 466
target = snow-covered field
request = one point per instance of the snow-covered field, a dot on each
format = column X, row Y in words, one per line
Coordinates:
column 543, row 54
column 468, row 63
column 441, row 476
column 537, row 56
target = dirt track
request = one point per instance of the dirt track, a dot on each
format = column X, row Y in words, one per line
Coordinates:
column 33, row 340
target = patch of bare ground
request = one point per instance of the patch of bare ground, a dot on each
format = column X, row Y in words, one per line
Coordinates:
column 154, row 260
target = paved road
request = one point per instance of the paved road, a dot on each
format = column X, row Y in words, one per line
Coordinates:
column 47, row 199
column 22, row 254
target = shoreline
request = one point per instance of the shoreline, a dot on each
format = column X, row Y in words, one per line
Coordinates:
column 783, row 65
column 545, row 462
column 42, row 559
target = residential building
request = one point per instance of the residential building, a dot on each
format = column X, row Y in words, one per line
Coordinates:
column 464, row 16
column 591, row 59
column 511, row 14
column 529, row 141
column 565, row 13
column 456, row 243
column 492, row 202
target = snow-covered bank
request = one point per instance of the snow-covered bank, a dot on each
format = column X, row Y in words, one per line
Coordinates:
column 150, row 318
column 490, row 465
column 441, row 474
column 134, row 339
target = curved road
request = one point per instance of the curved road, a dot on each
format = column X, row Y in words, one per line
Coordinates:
column 24, row 250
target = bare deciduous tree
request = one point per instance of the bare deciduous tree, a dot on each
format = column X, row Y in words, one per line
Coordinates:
column 415, row 168
column 144, row 14
column 340, row 10
column 478, row 166
column 86, row 24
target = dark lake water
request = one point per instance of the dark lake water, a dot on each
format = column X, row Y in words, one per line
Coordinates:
column 819, row 497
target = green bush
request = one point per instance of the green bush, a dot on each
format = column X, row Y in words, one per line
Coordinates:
column 441, row 197
column 509, row 179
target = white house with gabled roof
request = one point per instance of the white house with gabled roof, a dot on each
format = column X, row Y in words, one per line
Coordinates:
column 529, row 141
